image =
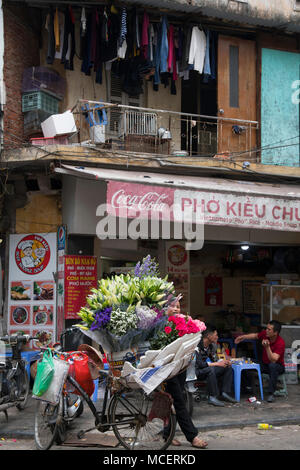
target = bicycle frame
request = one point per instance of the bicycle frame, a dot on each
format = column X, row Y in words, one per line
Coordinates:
column 101, row 422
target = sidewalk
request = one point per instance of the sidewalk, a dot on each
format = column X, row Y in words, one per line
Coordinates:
column 206, row 417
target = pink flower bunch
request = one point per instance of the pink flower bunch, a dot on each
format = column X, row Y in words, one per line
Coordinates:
column 184, row 325
column 178, row 325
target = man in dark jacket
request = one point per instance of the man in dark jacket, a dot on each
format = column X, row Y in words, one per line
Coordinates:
column 209, row 368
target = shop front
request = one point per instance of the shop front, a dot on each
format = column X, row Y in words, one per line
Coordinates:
column 250, row 240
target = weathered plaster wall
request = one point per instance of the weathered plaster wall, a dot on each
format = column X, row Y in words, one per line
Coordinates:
column 41, row 214
column 279, row 114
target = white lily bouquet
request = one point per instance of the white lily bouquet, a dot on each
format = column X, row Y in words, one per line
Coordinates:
column 128, row 310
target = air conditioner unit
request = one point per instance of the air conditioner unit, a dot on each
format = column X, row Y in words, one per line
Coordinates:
column 137, row 123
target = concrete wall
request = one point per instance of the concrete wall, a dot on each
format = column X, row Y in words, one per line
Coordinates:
column 279, row 114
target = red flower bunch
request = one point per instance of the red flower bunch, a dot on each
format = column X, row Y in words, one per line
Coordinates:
column 177, row 326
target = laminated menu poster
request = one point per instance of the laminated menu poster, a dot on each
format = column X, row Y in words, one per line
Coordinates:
column 178, row 270
column 32, row 289
column 213, row 290
column 80, row 278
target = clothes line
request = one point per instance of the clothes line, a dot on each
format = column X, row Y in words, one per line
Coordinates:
column 131, row 44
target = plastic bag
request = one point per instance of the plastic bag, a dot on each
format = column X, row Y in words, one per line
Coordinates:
column 53, row 393
column 82, row 373
column 44, row 374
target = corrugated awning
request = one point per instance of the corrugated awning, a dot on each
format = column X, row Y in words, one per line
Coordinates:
column 184, row 182
column 220, row 201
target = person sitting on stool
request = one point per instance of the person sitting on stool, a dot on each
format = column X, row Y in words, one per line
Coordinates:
column 208, row 368
column 273, row 353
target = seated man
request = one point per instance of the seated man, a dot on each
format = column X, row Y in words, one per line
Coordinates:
column 209, row 368
column 273, row 353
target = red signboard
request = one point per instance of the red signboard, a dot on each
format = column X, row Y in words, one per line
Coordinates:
column 80, row 278
column 238, row 208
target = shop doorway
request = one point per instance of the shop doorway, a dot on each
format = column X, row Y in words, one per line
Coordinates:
column 231, row 288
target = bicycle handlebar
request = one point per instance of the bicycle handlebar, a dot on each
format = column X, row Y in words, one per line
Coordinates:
column 17, row 338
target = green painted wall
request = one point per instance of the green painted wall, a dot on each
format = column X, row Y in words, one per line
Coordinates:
column 279, row 114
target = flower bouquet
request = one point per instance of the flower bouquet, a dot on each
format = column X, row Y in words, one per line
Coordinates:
column 127, row 310
column 172, row 350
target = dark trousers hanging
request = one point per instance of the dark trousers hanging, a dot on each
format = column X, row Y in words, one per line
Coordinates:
column 69, row 30
column 51, row 38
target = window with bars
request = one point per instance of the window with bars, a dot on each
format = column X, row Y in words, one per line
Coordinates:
column 116, row 95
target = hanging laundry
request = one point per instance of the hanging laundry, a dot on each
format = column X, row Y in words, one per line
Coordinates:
column 49, row 25
column 164, row 46
column 61, row 26
column 207, row 70
column 69, row 39
column 197, row 49
column 137, row 30
column 171, row 47
column 145, row 35
column 213, row 61
column 152, row 43
column 86, row 64
column 83, row 22
column 123, row 27
column 56, row 30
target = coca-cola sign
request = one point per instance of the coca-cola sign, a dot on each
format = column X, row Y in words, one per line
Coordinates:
column 235, row 209
column 138, row 199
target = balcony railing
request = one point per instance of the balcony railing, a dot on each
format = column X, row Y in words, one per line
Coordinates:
column 163, row 132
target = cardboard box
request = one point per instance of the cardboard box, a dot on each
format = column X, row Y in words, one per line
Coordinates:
column 59, row 124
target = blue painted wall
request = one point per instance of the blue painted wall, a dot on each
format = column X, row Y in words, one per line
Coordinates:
column 279, row 115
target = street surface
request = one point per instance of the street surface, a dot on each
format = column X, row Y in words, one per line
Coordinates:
column 249, row 438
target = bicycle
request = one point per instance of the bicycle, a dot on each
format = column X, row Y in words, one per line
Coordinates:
column 137, row 420
column 14, row 380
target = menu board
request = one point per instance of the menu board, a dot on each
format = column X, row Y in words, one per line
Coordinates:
column 60, row 299
column 80, row 278
column 178, row 270
column 32, row 290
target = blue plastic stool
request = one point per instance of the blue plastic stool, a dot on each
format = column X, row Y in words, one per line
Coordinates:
column 237, row 371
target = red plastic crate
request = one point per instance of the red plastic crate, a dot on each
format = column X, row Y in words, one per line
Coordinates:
column 58, row 140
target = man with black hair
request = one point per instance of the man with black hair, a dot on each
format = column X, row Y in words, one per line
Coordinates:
column 273, row 353
column 209, row 368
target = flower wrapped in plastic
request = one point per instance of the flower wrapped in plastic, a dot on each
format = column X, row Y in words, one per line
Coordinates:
column 127, row 310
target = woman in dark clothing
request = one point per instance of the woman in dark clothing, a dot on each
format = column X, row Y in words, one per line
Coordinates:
column 174, row 387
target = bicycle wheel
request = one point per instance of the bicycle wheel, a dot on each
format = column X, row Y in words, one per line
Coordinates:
column 23, row 386
column 46, row 422
column 129, row 414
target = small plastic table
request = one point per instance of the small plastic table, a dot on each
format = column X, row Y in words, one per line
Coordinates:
column 232, row 345
column 237, row 371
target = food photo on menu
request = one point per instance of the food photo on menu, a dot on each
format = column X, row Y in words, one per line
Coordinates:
column 20, row 291
column 20, row 314
column 43, row 314
column 44, row 338
column 43, row 290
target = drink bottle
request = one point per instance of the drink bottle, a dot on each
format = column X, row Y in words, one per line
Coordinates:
column 264, row 426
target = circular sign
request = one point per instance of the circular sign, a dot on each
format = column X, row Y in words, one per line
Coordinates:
column 177, row 255
column 32, row 254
